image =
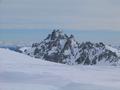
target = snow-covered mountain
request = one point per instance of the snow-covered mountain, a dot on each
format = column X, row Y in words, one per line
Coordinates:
column 61, row 48
column 21, row 72
column 116, row 50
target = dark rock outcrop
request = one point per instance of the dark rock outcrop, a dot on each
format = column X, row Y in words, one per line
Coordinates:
column 61, row 48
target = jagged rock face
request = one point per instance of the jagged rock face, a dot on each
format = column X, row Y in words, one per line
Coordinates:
column 59, row 47
column 91, row 53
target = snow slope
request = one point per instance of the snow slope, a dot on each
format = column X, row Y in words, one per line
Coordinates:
column 113, row 50
column 21, row 72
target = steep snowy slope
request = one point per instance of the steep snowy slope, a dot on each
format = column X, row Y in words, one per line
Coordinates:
column 61, row 48
column 21, row 72
column 117, row 51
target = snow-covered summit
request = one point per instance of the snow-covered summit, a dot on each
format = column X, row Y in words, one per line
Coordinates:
column 59, row 47
column 117, row 51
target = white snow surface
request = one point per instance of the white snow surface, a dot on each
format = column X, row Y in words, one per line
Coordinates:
column 21, row 72
column 113, row 50
column 24, row 48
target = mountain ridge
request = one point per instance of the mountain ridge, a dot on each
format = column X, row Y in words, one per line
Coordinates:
column 61, row 48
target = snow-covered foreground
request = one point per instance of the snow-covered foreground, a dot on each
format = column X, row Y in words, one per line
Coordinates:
column 21, row 72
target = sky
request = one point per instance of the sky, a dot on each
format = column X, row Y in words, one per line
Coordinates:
column 67, row 14
column 89, row 16
column 9, row 36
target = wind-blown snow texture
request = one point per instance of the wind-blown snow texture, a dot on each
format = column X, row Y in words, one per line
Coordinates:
column 21, row 72
column 61, row 48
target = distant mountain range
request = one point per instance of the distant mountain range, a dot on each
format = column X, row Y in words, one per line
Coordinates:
column 13, row 48
column 61, row 48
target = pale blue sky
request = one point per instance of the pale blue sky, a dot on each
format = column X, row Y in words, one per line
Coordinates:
column 66, row 14
column 92, row 18
column 36, row 35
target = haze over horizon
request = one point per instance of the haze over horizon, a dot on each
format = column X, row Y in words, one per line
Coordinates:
column 37, row 35
column 88, row 19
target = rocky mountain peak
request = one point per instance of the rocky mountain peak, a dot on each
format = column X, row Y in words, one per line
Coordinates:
column 59, row 47
column 56, row 35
